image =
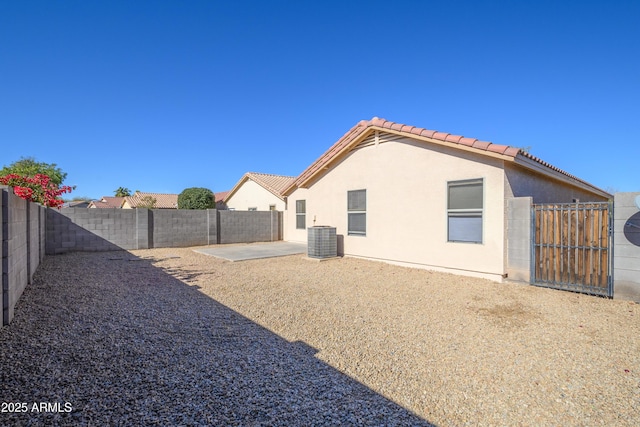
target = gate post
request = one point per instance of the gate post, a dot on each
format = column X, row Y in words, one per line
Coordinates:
column 519, row 255
column 626, row 241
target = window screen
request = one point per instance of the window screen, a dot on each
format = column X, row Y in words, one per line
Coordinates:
column 357, row 212
column 301, row 214
column 465, row 211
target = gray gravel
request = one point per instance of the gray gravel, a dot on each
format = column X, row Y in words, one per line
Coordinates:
column 174, row 337
column 124, row 343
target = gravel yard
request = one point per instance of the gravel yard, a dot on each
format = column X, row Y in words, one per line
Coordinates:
column 171, row 336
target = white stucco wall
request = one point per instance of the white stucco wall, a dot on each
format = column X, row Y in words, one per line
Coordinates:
column 406, row 183
column 252, row 195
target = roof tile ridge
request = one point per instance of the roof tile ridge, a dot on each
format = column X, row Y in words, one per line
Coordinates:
column 272, row 174
column 265, row 184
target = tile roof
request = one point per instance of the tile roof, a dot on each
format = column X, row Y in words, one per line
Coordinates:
column 365, row 127
column 219, row 196
column 107, row 202
column 163, row 201
column 276, row 184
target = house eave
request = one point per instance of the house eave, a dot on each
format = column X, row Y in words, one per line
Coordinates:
column 365, row 132
column 538, row 167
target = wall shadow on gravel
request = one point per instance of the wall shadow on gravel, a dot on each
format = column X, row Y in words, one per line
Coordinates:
column 125, row 343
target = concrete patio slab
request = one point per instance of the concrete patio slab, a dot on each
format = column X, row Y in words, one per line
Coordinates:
column 245, row 251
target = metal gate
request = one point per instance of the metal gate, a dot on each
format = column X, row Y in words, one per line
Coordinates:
column 572, row 247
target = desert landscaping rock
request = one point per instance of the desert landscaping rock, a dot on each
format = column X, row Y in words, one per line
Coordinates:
column 175, row 337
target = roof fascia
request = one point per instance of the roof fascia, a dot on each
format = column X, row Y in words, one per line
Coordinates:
column 236, row 187
column 446, row 143
column 537, row 167
column 244, row 179
column 365, row 132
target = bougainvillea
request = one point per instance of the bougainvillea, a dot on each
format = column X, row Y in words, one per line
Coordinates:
column 37, row 188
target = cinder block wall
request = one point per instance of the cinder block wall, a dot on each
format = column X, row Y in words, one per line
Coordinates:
column 249, row 226
column 180, row 228
column 21, row 235
column 518, row 256
column 34, row 237
column 15, row 275
column 82, row 229
column 626, row 249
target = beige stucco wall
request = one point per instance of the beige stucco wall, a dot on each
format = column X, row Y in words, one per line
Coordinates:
column 406, row 183
column 252, row 195
column 520, row 182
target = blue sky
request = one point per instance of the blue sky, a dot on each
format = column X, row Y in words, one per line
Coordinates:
column 160, row 96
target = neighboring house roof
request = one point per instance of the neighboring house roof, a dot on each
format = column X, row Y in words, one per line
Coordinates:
column 365, row 128
column 163, row 201
column 275, row 184
column 220, row 196
column 107, row 202
column 76, row 204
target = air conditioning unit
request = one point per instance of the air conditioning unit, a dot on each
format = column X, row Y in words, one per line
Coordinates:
column 322, row 242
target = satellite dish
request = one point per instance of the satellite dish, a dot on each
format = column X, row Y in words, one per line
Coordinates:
column 638, row 201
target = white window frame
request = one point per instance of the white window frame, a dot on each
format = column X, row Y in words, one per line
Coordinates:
column 462, row 222
column 301, row 214
column 359, row 211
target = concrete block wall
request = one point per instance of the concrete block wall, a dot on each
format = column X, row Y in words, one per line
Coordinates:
column 22, row 235
column 82, row 229
column 181, row 228
column 144, row 229
column 518, row 247
column 249, row 226
column 35, row 237
column 15, row 274
column 626, row 247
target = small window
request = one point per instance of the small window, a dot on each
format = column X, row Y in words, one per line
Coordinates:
column 253, row 209
column 272, row 207
column 465, row 211
column 301, row 214
column 357, row 213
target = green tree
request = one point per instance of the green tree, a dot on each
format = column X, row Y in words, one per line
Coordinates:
column 28, row 166
column 122, row 192
column 196, row 198
column 147, row 202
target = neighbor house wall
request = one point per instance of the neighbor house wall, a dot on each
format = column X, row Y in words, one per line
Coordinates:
column 626, row 250
column 253, row 195
column 21, row 242
column 406, row 183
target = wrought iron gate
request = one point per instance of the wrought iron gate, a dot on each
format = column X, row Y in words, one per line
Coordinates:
column 572, row 247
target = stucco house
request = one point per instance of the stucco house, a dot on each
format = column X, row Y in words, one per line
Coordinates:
column 219, row 196
column 151, row 200
column 258, row 192
column 107, row 202
column 449, row 196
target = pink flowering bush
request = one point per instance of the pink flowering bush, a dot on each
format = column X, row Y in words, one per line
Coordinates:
column 37, row 188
